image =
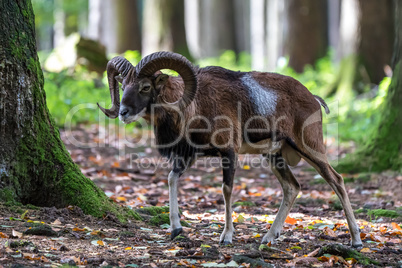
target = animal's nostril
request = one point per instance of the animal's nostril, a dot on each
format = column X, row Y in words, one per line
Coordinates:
column 124, row 112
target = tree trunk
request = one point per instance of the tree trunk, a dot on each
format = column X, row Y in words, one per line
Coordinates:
column 163, row 27
column 306, row 37
column 212, row 24
column 177, row 29
column 365, row 45
column 59, row 23
column 274, row 36
column 377, row 36
column 258, row 46
column 35, row 167
column 120, row 25
column 383, row 150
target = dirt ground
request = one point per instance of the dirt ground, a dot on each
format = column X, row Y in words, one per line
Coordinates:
column 136, row 177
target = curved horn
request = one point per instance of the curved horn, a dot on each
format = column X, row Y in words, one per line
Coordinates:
column 169, row 60
column 116, row 66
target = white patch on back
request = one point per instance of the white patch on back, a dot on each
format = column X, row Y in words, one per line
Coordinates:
column 264, row 99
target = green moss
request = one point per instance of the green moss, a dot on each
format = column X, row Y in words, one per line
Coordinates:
column 44, row 230
column 160, row 219
column 244, row 204
column 384, row 213
column 29, row 206
column 360, row 210
column 21, row 243
column 7, row 195
column 153, row 211
column 336, row 205
column 382, row 149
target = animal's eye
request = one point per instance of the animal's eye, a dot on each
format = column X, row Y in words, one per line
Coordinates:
column 146, row 88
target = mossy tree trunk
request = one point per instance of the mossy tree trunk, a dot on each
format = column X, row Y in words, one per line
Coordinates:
column 383, row 150
column 35, row 167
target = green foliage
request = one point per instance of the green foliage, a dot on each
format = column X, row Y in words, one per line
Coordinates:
column 316, row 78
column 73, row 94
column 359, row 115
column 229, row 60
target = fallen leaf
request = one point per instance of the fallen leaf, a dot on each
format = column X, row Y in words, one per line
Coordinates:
column 291, row 220
column 2, row 235
column 328, row 231
column 366, row 250
column 56, row 222
column 351, row 260
column 17, row 234
column 396, row 226
column 323, row 258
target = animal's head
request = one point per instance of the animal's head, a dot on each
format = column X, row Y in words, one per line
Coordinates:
column 142, row 84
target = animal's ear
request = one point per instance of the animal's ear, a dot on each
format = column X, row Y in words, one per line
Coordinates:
column 161, row 80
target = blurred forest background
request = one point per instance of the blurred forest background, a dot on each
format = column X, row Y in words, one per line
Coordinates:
column 339, row 49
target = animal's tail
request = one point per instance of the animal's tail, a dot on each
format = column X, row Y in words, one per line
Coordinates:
column 322, row 103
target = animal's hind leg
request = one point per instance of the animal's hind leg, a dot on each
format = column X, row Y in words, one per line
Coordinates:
column 290, row 188
column 335, row 180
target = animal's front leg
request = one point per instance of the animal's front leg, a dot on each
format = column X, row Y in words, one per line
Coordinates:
column 228, row 166
column 290, row 188
column 173, row 204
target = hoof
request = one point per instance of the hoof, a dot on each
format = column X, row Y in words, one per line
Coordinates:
column 225, row 243
column 176, row 232
column 357, row 246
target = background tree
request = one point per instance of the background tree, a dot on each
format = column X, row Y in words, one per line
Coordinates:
column 35, row 167
column 116, row 24
column 212, row 26
column 383, row 149
column 306, row 38
column 163, row 27
column 365, row 45
column 377, row 38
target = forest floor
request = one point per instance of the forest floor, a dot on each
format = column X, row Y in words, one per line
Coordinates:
column 137, row 177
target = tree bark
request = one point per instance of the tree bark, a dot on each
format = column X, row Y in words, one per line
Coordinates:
column 377, row 37
column 383, row 150
column 365, row 45
column 306, row 37
column 35, row 167
column 120, row 25
column 163, row 27
column 212, row 24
